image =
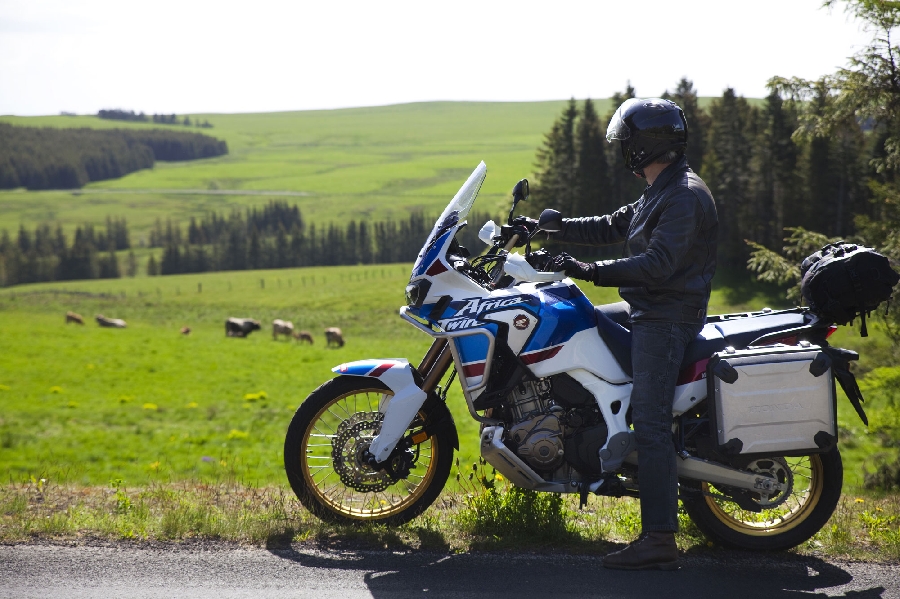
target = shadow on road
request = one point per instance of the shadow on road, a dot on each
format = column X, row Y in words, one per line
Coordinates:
column 703, row 574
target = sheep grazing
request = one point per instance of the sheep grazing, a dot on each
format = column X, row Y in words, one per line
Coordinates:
column 73, row 317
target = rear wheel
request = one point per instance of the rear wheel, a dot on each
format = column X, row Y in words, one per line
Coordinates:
column 811, row 490
column 325, row 447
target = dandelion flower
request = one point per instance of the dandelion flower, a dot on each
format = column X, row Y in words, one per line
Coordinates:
column 860, row 500
column 236, row 434
column 151, row 406
column 192, row 405
column 55, row 389
column 154, row 465
column 498, row 476
column 4, row 387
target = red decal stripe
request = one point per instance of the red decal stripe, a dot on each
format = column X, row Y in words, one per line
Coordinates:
column 692, row 373
column 540, row 356
column 381, row 369
column 476, row 369
column 436, row 268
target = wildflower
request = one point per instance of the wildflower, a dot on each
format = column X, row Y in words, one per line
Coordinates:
column 151, row 406
column 55, row 389
column 259, row 396
column 191, row 405
column 498, row 476
column 206, row 458
column 860, row 500
column 236, row 434
column 4, row 387
column 154, row 465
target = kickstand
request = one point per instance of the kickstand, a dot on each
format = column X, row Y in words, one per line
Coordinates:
column 583, row 495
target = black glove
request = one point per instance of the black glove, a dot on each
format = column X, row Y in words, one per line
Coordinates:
column 572, row 267
column 521, row 226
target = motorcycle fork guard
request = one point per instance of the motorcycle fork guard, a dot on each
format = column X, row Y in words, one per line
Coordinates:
column 399, row 410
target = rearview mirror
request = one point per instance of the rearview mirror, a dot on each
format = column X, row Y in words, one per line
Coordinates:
column 550, row 221
column 519, row 192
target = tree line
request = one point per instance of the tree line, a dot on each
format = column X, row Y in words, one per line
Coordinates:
column 117, row 114
column 51, row 158
column 273, row 236
column 764, row 177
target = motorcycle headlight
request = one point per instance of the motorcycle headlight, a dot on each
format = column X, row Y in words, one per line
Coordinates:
column 416, row 293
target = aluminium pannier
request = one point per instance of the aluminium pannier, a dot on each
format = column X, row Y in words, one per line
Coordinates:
column 772, row 400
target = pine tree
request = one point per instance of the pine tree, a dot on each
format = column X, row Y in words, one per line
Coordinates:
column 555, row 167
column 726, row 171
column 697, row 119
column 591, row 172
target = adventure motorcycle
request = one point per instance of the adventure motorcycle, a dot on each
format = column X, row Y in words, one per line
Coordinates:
column 548, row 376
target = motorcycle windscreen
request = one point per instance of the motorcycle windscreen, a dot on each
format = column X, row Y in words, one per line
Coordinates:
column 456, row 211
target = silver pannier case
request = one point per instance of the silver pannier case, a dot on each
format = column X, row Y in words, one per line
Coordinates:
column 775, row 400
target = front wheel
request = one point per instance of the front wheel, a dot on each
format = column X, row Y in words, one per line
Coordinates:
column 325, row 447
column 812, row 488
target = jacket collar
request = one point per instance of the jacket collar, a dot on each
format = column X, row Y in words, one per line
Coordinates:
column 668, row 173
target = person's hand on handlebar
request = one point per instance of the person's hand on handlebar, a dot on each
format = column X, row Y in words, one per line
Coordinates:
column 572, row 267
column 521, row 226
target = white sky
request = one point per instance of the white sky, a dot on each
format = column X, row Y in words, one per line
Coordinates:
column 190, row 56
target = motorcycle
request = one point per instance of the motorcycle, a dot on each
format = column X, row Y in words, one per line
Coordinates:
column 548, row 377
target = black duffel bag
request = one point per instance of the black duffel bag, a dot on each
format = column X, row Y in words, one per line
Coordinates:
column 845, row 280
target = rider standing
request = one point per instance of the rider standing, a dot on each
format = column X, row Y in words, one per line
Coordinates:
column 664, row 276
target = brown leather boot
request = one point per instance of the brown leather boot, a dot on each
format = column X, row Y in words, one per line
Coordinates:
column 651, row 551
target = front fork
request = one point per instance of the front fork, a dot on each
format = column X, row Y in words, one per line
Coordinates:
column 411, row 388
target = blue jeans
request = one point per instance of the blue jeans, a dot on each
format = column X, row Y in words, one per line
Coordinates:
column 657, row 349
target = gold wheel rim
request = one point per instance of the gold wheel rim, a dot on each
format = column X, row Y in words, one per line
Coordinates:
column 807, row 471
column 324, row 482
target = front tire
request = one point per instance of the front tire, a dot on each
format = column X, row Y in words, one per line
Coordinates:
column 327, row 438
column 788, row 520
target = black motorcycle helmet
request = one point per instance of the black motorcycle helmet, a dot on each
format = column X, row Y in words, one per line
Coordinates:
column 648, row 129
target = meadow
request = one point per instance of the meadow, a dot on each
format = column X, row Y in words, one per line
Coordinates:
column 335, row 165
column 147, row 404
column 94, row 422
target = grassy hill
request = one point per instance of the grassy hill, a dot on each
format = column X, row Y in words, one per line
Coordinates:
column 335, row 164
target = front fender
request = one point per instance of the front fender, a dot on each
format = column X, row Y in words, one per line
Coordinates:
column 399, row 412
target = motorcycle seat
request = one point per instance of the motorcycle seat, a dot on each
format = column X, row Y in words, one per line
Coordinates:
column 713, row 337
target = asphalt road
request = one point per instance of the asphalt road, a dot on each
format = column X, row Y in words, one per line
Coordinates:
column 222, row 573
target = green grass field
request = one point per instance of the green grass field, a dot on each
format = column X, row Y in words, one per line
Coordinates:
column 335, row 164
column 147, row 404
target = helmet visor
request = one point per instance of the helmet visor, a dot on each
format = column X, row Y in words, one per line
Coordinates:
column 617, row 128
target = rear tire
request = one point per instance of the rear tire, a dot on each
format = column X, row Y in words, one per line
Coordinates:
column 326, row 438
column 812, row 499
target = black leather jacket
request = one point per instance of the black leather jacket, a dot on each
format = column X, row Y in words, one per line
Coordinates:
column 669, row 256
